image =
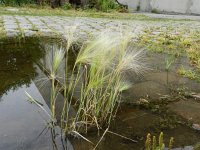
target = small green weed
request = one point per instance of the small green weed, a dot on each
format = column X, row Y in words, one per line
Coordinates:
column 67, row 6
column 168, row 62
column 155, row 11
column 151, row 144
column 15, row 2
column 106, row 5
column 191, row 74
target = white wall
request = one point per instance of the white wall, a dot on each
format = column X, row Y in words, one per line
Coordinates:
column 195, row 8
column 179, row 6
column 145, row 5
column 168, row 6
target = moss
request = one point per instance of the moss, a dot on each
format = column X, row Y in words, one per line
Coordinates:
column 177, row 43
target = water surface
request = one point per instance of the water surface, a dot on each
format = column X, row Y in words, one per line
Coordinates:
column 24, row 126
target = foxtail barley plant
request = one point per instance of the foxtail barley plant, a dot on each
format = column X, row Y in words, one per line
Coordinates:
column 99, row 73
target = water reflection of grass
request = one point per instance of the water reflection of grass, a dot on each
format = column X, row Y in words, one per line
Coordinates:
column 16, row 65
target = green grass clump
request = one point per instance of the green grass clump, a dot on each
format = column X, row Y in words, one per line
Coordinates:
column 101, row 64
column 67, row 6
column 99, row 74
column 194, row 54
column 162, row 42
column 16, row 2
column 191, row 74
column 106, row 5
column 102, row 5
column 155, row 11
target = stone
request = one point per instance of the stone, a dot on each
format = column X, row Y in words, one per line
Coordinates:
column 149, row 89
column 196, row 96
column 183, row 148
column 12, row 9
column 88, row 25
column 161, row 77
column 188, row 109
column 11, row 26
column 29, row 33
column 25, row 26
column 196, row 126
column 129, row 117
column 12, row 33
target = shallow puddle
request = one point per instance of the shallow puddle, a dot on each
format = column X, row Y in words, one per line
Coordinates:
column 24, row 126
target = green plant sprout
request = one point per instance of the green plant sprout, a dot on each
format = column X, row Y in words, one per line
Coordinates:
column 168, row 62
column 152, row 144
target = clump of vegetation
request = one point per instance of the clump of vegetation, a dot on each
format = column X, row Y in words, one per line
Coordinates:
column 15, row 2
column 194, row 54
column 106, row 5
column 67, row 6
column 162, row 42
column 98, row 72
column 151, row 144
column 191, row 74
column 176, row 44
column 138, row 8
column 101, row 5
column 155, row 11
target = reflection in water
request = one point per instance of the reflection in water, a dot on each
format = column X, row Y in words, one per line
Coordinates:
column 20, row 122
column 17, row 66
column 24, row 126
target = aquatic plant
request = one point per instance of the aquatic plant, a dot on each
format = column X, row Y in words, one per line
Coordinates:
column 98, row 73
column 151, row 144
column 100, row 67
